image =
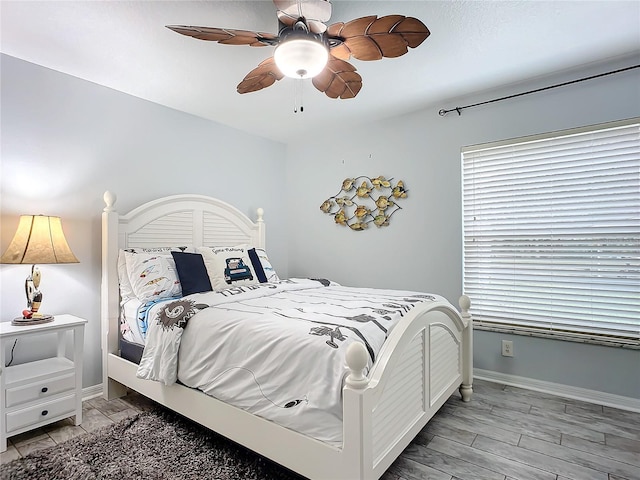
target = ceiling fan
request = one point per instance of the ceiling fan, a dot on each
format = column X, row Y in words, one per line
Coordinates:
column 306, row 47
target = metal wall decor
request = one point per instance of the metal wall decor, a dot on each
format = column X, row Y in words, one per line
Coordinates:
column 363, row 200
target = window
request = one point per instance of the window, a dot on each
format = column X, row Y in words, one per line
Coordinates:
column 552, row 234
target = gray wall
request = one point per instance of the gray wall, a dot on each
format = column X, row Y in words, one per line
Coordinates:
column 65, row 141
column 421, row 249
column 594, row 367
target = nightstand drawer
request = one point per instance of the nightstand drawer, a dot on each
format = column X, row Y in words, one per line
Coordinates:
column 40, row 413
column 40, row 390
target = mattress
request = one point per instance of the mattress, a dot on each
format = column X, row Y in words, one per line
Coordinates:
column 131, row 351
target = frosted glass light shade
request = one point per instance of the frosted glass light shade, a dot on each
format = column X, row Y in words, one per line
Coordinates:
column 39, row 239
column 301, row 57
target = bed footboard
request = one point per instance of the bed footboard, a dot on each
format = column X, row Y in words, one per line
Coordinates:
column 424, row 361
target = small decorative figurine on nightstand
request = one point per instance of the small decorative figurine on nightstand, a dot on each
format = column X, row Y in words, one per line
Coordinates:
column 30, row 315
column 32, row 289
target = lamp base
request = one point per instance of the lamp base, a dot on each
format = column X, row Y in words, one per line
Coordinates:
column 35, row 320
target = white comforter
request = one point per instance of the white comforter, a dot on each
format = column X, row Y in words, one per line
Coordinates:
column 275, row 350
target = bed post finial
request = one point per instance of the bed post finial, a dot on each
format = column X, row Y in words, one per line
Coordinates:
column 261, row 231
column 465, row 304
column 109, row 200
column 357, row 358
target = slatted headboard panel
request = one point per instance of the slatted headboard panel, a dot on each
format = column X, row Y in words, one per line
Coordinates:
column 167, row 231
column 192, row 220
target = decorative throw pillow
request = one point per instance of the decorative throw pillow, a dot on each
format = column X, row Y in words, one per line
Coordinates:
column 228, row 266
column 152, row 276
column 192, row 273
column 262, row 266
column 126, row 290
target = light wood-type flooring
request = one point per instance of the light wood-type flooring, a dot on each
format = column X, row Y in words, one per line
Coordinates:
column 508, row 433
column 504, row 433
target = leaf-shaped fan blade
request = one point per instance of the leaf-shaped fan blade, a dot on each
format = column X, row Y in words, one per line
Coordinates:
column 372, row 38
column 263, row 76
column 316, row 12
column 227, row 36
column 341, row 51
column 338, row 79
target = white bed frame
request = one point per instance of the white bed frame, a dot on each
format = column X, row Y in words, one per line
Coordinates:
column 427, row 356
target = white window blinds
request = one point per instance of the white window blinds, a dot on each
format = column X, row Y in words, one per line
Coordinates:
column 552, row 233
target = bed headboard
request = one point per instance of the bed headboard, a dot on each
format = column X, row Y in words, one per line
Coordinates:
column 193, row 220
column 190, row 220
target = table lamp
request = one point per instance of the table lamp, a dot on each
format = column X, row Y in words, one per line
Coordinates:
column 39, row 239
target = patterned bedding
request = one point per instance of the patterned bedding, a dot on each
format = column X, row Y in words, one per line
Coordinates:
column 276, row 350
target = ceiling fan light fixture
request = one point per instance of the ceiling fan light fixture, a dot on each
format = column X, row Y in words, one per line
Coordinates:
column 301, row 57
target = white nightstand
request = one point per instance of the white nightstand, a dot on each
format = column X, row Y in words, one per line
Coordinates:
column 36, row 393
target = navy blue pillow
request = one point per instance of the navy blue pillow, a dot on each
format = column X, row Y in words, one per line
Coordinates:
column 192, row 273
column 257, row 265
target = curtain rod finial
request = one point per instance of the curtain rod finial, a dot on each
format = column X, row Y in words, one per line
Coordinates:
column 442, row 112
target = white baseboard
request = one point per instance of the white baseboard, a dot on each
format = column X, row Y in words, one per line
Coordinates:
column 567, row 391
column 91, row 392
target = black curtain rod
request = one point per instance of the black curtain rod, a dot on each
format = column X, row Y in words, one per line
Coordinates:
column 443, row 112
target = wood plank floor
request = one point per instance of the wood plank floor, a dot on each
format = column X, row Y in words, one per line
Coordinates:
column 504, row 433
column 508, row 433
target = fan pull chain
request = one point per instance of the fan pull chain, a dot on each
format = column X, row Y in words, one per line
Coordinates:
column 297, row 96
column 301, row 82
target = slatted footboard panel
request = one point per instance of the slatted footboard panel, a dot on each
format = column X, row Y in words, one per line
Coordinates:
column 427, row 373
column 444, row 352
column 402, row 401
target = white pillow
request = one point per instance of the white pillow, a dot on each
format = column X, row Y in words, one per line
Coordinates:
column 269, row 271
column 152, row 276
column 228, row 266
column 126, row 290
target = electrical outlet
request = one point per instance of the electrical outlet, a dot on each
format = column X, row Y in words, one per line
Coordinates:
column 507, row 348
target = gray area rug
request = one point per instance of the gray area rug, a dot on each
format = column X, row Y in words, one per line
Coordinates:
column 155, row 445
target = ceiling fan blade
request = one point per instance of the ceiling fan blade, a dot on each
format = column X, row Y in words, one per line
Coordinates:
column 341, row 51
column 227, row 36
column 263, row 76
column 372, row 38
column 316, row 12
column 339, row 79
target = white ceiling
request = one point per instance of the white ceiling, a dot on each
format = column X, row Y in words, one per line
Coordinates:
column 474, row 46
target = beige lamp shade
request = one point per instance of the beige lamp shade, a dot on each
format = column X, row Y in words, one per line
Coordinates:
column 39, row 239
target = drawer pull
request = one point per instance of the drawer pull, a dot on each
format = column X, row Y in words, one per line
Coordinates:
column 45, row 412
column 44, row 389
